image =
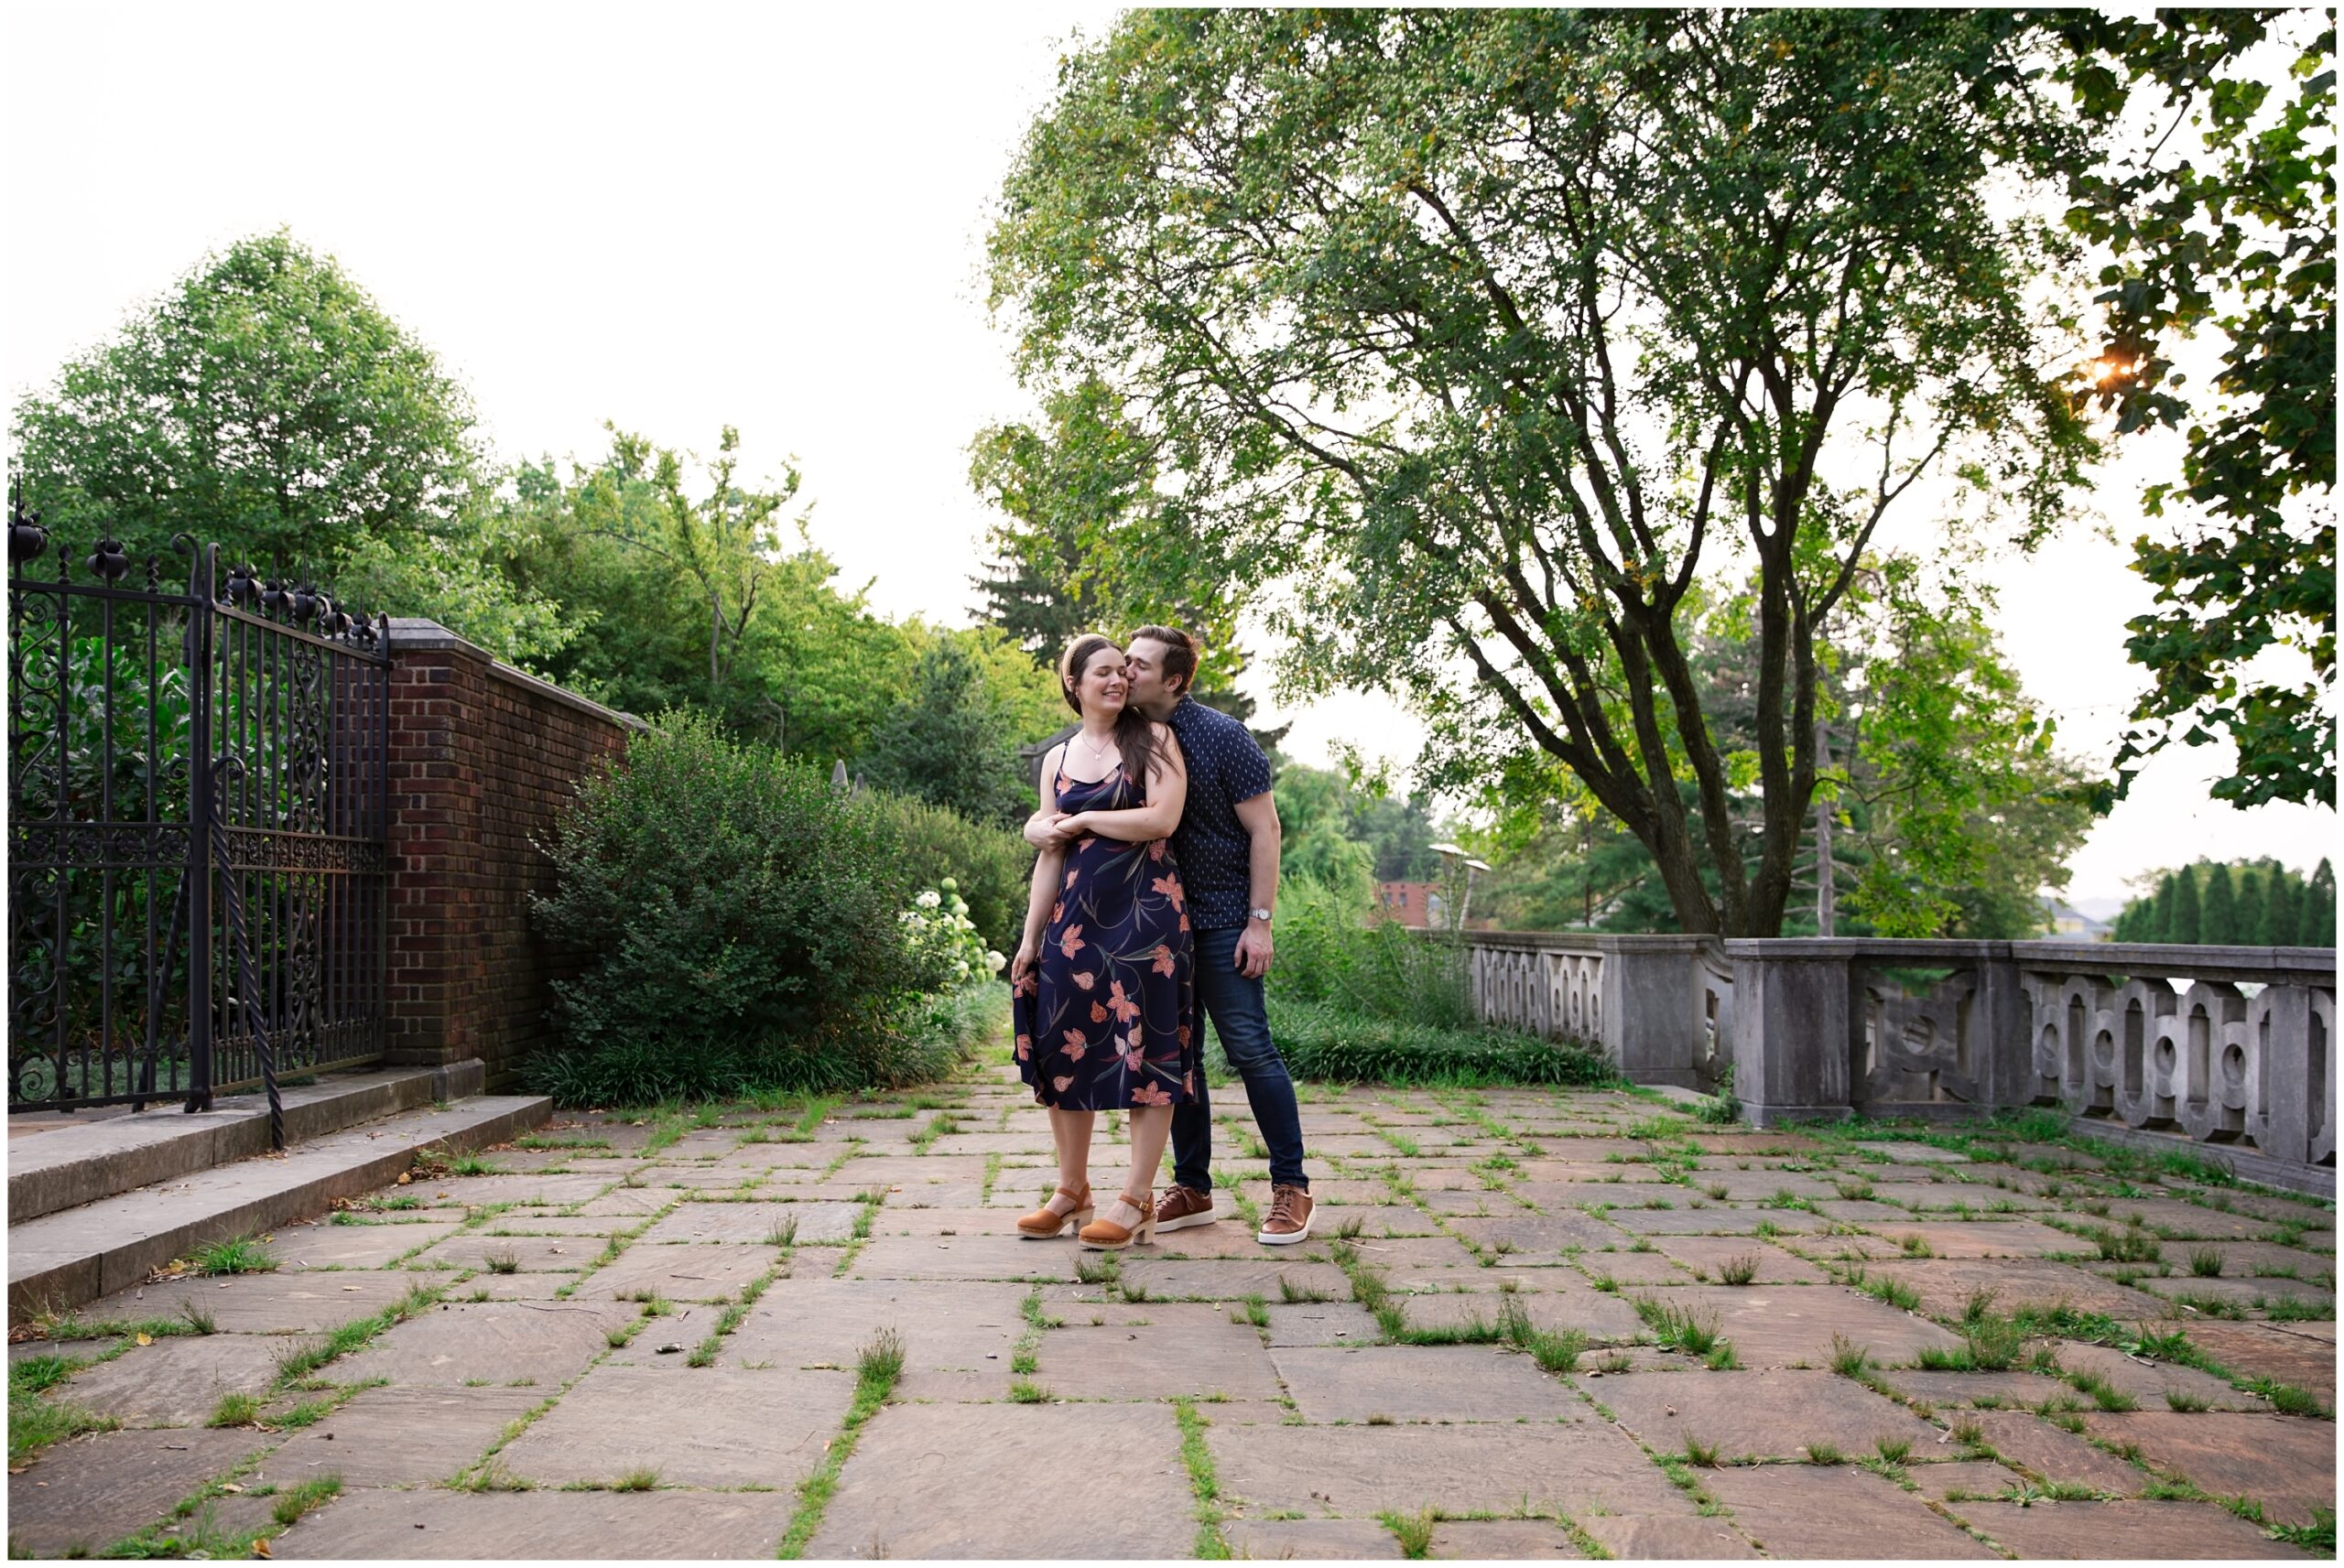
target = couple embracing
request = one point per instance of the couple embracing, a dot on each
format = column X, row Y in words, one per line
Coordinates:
column 1152, row 899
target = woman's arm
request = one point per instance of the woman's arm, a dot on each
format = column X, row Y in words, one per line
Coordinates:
column 1044, row 889
column 1168, row 797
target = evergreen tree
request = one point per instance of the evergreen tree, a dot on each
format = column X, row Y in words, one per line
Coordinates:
column 2128, row 922
column 2315, row 920
column 2160, row 924
column 2218, row 912
column 948, row 743
column 2252, row 906
column 2184, row 928
column 2280, row 902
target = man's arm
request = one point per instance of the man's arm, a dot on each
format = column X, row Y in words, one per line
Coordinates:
column 1259, row 817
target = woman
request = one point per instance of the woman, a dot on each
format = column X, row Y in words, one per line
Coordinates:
column 1100, row 984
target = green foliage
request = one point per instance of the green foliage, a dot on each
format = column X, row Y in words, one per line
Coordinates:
column 945, row 742
column 2272, row 905
column 1074, row 549
column 1331, row 1045
column 1346, row 835
column 945, row 941
column 716, row 600
column 992, row 865
column 740, row 923
column 1958, row 802
column 2238, row 236
column 1394, row 351
column 238, row 1255
column 1329, row 952
column 264, row 402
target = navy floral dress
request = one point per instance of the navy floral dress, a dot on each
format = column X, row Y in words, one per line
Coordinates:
column 1103, row 1018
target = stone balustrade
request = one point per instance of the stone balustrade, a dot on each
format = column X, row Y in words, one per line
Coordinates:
column 2231, row 1050
column 1657, row 1006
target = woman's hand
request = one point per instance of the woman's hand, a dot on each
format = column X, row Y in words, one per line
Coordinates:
column 1074, row 825
column 1023, row 964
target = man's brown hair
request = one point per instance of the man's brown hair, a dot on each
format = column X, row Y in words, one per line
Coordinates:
column 1179, row 653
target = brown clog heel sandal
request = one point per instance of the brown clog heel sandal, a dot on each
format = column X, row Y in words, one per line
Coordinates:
column 1106, row 1236
column 1045, row 1223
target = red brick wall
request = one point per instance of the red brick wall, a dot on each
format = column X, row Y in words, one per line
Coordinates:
column 482, row 758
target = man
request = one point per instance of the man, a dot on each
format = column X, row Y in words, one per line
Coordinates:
column 1227, row 845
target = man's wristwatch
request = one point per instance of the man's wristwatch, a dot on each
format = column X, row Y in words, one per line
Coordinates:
column 1263, row 916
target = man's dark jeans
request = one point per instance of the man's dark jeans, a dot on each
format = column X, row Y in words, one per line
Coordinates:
column 1244, row 1025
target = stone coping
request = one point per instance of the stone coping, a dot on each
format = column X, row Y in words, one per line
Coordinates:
column 2154, row 958
column 414, row 633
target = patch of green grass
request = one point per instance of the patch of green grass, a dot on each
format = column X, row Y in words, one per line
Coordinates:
column 300, row 1360
column 2296, row 1309
column 1700, row 1452
column 1895, row 1292
column 1292, row 1294
column 876, row 1370
column 1738, row 1269
column 504, row 1260
column 1825, row 1454
column 35, row 1422
column 2127, row 1246
column 2206, row 1262
column 1681, row 1328
column 240, row 1255
column 1471, row 1331
column 1023, row 1391
column 1848, row 1359
column 1413, row 1531
column 236, row 1409
column 2318, row 1537
column 298, row 1500
column 1204, row 1482
column 1256, row 1310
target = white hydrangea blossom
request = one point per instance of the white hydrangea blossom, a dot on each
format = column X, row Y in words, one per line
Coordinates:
column 938, row 927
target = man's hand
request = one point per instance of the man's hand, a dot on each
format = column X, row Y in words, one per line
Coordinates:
column 1044, row 830
column 1253, row 948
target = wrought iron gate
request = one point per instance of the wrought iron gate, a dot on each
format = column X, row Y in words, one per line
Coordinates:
column 198, row 793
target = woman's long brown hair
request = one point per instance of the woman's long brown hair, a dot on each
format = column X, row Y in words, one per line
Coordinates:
column 1134, row 732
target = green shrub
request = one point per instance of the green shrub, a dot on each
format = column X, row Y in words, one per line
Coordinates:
column 1335, row 1044
column 923, row 1040
column 992, row 865
column 741, row 923
column 1329, row 952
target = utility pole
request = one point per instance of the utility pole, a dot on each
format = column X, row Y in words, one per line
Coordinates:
column 1586, row 870
column 1826, row 889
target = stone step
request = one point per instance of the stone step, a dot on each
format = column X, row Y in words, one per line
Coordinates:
column 60, row 1261
column 66, row 1163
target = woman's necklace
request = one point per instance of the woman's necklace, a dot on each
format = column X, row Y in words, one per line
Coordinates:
column 1098, row 752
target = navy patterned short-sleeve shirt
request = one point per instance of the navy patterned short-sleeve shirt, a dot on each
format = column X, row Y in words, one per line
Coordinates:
column 1226, row 765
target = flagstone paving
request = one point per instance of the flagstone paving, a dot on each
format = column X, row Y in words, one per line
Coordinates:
column 1531, row 1323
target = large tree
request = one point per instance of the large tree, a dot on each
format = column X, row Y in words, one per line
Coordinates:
column 1483, row 334
column 266, row 402
column 698, row 594
column 2233, row 236
column 1076, row 543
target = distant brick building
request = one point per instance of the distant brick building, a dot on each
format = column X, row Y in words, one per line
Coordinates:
column 1409, row 904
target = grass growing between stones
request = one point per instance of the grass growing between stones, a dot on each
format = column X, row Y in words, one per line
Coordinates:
column 298, row 1361
column 876, row 1370
column 240, row 1255
column 1554, row 1351
column 35, row 1422
column 1413, row 1531
column 1202, row 1481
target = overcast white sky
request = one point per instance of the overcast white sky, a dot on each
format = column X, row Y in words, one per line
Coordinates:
column 682, row 216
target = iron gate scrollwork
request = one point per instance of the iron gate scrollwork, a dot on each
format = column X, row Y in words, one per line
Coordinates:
column 198, row 791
